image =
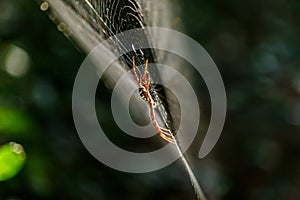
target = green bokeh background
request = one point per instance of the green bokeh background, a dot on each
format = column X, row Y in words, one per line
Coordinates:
column 256, row 46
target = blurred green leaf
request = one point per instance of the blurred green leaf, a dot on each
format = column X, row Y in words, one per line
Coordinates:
column 12, row 159
column 14, row 123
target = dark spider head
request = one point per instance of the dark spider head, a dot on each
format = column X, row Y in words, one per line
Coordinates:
column 142, row 93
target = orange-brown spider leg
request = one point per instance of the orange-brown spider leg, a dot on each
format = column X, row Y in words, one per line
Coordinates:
column 167, row 138
column 145, row 72
column 161, row 131
column 134, row 72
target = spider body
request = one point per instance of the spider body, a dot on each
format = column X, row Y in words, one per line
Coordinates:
column 145, row 88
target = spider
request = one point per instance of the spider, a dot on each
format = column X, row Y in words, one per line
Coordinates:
column 144, row 89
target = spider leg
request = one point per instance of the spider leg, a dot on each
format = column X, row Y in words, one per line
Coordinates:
column 166, row 131
column 145, row 71
column 134, row 72
column 167, row 137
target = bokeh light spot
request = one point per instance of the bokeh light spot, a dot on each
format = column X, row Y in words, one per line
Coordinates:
column 17, row 61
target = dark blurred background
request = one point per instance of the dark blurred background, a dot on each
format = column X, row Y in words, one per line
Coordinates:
column 256, row 46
